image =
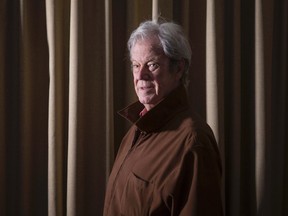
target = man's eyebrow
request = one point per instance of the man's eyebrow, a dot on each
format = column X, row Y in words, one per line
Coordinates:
column 154, row 58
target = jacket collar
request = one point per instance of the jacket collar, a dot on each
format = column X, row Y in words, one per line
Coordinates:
column 153, row 120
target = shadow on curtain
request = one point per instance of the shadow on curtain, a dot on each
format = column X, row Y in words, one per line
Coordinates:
column 64, row 73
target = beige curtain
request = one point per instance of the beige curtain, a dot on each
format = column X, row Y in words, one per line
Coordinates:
column 64, row 73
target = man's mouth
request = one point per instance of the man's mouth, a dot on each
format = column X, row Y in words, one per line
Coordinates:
column 146, row 87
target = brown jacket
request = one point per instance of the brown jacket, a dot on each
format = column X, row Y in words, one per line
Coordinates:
column 168, row 164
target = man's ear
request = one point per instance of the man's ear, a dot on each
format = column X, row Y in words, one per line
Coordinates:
column 180, row 67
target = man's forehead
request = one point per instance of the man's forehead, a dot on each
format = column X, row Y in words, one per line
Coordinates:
column 147, row 56
column 149, row 47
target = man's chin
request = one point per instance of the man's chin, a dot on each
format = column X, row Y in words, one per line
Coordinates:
column 145, row 100
column 148, row 101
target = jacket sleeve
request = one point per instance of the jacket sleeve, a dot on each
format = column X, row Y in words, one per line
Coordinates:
column 195, row 187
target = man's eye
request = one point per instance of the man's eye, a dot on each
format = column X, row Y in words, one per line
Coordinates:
column 134, row 66
column 153, row 66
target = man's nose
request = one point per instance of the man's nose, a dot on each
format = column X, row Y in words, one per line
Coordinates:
column 144, row 73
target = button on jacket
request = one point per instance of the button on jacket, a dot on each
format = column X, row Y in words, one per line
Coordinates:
column 168, row 163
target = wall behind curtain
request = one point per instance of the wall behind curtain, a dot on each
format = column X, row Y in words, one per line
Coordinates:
column 64, row 73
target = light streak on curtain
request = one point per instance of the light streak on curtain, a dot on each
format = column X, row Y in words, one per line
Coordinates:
column 55, row 16
column 75, row 58
column 155, row 10
column 109, row 88
column 211, row 70
column 260, row 124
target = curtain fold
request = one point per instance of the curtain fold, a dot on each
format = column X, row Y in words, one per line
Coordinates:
column 2, row 112
column 64, row 73
column 75, row 66
column 211, row 70
column 109, row 88
column 233, row 115
column 57, row 116
column 260, row 108
column 277, row 165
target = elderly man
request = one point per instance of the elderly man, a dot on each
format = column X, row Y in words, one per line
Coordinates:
column 168, row 163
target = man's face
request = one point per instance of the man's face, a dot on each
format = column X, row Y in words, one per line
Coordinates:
column 154, row 77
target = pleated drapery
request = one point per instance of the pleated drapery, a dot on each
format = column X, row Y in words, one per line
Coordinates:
column 86, row 116
column 64, row 73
